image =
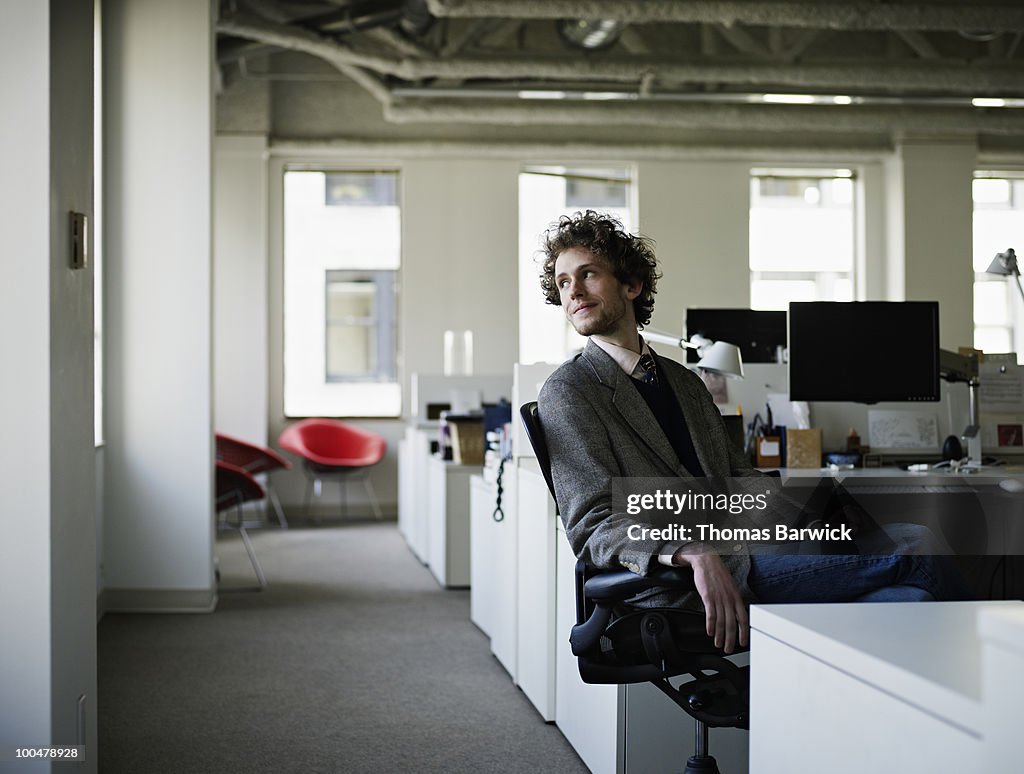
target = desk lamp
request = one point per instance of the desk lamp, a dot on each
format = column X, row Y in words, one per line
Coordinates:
column 717, row 357
column 954, row 367
column 1005, row 264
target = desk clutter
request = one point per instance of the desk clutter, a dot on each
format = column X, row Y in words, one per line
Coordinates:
column 770, row 445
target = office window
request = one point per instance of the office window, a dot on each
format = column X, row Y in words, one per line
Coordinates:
column 360, row 315
column 998, row 225
column 801, row 236
column 546, row 193
column 342, row 254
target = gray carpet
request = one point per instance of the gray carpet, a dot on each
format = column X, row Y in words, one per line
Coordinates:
column 352, row 660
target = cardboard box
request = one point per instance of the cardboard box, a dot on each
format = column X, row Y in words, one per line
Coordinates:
column 803, row 448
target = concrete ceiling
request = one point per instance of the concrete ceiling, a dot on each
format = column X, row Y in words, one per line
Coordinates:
column 818, row 69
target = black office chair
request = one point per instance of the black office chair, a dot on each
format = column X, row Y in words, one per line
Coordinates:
column 650, row 644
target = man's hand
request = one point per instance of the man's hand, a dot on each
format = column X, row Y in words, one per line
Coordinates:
column 726, row 615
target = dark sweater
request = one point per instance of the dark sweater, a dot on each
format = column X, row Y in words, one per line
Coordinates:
column 665, row 407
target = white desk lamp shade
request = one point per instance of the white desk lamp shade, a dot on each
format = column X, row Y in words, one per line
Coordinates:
column 722, row 358
column 718, row 357
column 1005, row 265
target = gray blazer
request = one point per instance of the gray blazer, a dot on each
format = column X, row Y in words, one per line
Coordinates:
column 598, row 427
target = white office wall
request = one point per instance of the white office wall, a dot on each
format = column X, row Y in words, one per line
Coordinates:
column 240, row 287
column 25, row 321
column 931, row 206
column 698, row 212
column 459, row 261
column 158, row 487
column 48, row 640
column 72, row 432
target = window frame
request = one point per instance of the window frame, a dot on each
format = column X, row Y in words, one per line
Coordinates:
column 823, row 280
column 280, row 167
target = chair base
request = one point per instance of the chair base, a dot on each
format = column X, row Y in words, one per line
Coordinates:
column 239, row 525
column 315, row 474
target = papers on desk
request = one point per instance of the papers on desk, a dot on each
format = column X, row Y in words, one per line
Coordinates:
column 902, row 429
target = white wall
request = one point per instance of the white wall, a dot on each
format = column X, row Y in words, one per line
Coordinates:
column 158, row 488
column 240, row 364
column 72, row 454
column 47, row 571
column 932, row 219
column 698, row 213
column 25, row 309
column 460, row 261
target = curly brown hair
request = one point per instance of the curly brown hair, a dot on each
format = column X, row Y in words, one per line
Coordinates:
column 631, row 256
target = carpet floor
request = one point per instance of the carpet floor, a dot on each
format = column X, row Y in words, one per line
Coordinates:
column 352, row 659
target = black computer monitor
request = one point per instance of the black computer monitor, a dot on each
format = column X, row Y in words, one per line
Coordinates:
column 864, row 351
column 759, row 334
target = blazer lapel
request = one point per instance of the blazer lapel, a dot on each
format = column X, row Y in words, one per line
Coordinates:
column 630, row 404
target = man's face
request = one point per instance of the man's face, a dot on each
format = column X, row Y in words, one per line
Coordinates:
column 595, row 302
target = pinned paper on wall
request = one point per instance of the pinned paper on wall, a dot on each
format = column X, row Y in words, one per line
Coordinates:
column 902, row 430
column 1000, row 386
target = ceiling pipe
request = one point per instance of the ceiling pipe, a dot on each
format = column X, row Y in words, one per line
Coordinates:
column 757, row 118
column 840, row 16
column 931, row 77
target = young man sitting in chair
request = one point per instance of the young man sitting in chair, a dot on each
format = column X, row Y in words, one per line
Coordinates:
column 618, row 410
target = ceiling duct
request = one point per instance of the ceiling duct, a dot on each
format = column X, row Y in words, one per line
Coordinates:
column 590, row 34
column 817, row 15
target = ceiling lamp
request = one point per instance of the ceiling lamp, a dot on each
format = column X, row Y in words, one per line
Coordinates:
column 590, row 34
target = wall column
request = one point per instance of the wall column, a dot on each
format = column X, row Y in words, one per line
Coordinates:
column 928, row 187
column 158, row 486
column 691, row 210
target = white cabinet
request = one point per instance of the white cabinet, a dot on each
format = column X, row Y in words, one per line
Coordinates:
column 629, row 728
column 448, row 521
column 413, row 519
column 535, row 575
column 482, row 553
column 587, row 715
column 492, row 595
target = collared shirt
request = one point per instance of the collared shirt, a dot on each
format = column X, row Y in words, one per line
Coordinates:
column 629, row 362
column 627, row 359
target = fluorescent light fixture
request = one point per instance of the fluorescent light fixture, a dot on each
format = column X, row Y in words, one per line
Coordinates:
column 988, row 102
column 607, row 95
column 842, row 99
column 842, row 173
column 537, row 94
column 788, row 99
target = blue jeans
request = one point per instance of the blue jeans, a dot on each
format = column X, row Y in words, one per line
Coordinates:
column 912, row 571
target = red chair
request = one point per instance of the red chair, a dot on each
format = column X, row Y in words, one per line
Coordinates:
column 254, row 460
column 332, row 448
column 235, row 487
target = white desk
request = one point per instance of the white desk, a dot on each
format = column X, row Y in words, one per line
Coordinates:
column 448, row 521
column 492, row 561
column 856, row 688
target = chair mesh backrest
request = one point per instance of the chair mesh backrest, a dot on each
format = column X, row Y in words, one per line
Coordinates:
column 535, row 432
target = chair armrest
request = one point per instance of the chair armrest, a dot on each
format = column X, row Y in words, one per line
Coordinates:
column 623, row 584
